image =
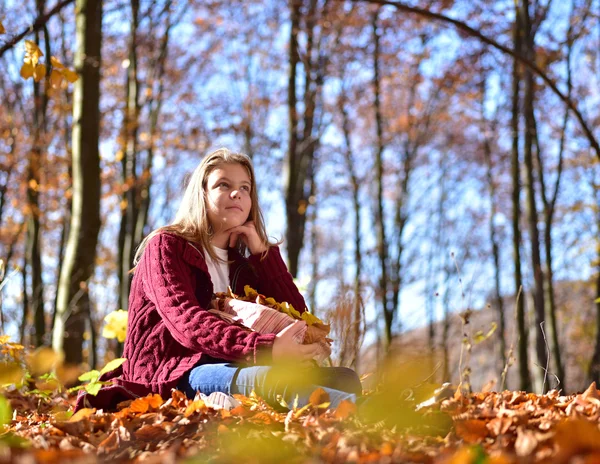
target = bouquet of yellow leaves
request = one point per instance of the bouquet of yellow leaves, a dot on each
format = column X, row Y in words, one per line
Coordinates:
column 265, row 315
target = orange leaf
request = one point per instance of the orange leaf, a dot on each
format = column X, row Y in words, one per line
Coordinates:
column 56, row 63
column 573, row 436
column 139, row 405
column 55, row 79
column 39, row 72
column 261, row 418
column 471, row 430
column 387, row 449
column 155, row 401
column 71, row 76
column 318, row 397
column 26, row 70
column 345, row 409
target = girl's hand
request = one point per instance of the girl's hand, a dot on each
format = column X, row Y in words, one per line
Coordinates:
column 286, row 348
column 247, row 233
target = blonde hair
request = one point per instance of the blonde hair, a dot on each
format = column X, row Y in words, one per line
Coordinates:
column 191, row 220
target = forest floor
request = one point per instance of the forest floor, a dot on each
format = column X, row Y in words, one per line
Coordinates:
column 506, row 427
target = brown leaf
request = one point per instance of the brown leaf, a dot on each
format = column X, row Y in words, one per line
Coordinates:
column 499, row 425
column 150, row 433
column 526, row 442
column 591, row 394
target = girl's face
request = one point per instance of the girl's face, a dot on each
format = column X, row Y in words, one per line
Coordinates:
column 228, row 200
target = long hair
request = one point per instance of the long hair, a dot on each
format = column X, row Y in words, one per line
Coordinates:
column 191, row 221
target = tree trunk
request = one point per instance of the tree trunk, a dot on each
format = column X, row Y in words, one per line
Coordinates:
column 25, row 313
column 532, row 213
column 299, row 168
column 382, row 242
column 73, row 299
column 130, row 203
column 498, row 303
column 524, row 377
column 349, row 157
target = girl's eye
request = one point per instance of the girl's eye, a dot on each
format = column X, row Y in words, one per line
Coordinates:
column 223, row 184
column 246, row 188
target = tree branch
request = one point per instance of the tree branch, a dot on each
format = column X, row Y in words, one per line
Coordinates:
column 36, row 26
column 523, row 60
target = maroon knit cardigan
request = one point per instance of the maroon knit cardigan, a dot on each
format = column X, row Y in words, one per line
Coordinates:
column 168, row 328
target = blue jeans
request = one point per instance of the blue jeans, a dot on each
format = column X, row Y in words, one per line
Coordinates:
column 269, row 382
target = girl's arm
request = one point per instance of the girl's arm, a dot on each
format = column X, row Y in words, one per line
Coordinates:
column 274, row 279
column 169, row 284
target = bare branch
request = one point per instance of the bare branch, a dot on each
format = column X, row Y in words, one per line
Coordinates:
column 523, row 60
column 38, row 24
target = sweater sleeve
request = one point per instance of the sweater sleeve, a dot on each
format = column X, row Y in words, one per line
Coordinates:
column 275, row 280
column 169, row 283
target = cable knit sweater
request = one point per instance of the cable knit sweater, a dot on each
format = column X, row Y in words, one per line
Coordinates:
column 170, row 331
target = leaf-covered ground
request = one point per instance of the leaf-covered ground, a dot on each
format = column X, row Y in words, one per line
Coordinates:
column 507, row 427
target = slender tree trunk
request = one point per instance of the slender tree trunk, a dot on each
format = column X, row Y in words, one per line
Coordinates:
column 314, row 259
column 293, row 233
column 524, row 376
column 549, row 208
column 299, row 169
column 69, row 206
column 498, row 303
column 129, row 164
column 25, row 314
column 4, row 270
column 532, row 212
column 154, row 106
column 73, row 300
column 34, row 257
column 350, row 166
column 382, row 242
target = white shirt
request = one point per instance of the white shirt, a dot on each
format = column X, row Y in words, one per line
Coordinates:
column 218, row 270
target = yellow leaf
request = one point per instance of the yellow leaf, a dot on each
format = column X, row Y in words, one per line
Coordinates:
column 26, row 70
column 4, row 339
column 56, row 78
column 71, row 76
column 33, row 50
column 56, row 63
column 43, row 360
column 39, row 72
column 10, row 373
column 116, row 325
column 33, row 185
column 82, row 414
column 195, row 406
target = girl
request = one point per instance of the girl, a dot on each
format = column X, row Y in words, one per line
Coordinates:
column 217, row 239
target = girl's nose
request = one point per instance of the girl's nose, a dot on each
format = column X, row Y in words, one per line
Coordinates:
column 235, row 194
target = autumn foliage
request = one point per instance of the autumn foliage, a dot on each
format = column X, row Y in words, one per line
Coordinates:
column 485, row 427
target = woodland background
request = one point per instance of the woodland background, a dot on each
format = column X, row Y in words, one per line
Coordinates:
column 420, row 159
